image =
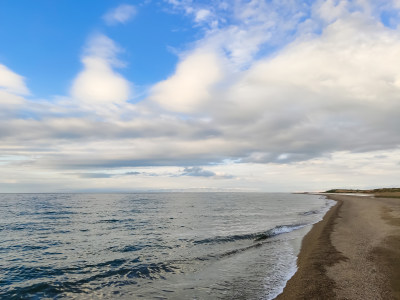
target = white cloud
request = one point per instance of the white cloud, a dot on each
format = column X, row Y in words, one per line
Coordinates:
column 10, row 102
column 191, row 86
column 326, row 103
column 12, row 92
column 12, row 82
column 242, row 28
column 396, row 4
column 202, row 15
column 331, row 10
column 121, row 14
column 98, row 82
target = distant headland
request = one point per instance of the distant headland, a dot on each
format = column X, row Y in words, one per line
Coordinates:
column 382, row 192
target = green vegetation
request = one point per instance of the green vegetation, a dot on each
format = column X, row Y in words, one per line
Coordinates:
column 383, row 193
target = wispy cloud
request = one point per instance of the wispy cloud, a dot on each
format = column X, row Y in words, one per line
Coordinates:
column 202, row 15
column 242, row 29
column 120, row 15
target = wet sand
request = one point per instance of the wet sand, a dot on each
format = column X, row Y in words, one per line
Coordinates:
column 353, row 253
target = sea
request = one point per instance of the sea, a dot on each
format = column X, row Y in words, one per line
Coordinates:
column 152, row 245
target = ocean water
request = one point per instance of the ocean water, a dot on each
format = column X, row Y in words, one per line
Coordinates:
column 152, row 245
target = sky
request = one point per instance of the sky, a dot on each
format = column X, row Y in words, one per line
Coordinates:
column 185, row 95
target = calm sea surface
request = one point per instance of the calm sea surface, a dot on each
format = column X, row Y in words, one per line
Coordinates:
column 152, row 246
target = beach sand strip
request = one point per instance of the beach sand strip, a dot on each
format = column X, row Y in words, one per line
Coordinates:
column 353, row 253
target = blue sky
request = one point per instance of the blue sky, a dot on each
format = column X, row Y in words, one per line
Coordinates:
column 44, row 40
column 249, row 95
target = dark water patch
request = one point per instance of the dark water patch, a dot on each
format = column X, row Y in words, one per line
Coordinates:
column 256, row 236
column 52, row 288
column 224, row 239
column 29, row 247
column 130, row 248
column 57, row 213
column 227, row 253
column 279, row 230
column 232, row 252
column 311, row 212
column 24, row 273
column 109, row 221
column 21, row 227
column 49, row 290
column 35, row 291
column 236, row 251
column 112, row 263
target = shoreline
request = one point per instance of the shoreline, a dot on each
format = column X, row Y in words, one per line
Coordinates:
column 352, row 253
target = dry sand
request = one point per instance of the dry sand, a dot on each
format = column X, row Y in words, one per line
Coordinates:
column 353, row 253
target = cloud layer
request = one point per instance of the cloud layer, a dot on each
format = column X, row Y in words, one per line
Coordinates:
column 256, row 97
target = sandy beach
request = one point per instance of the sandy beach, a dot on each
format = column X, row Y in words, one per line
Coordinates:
column 353, row 253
